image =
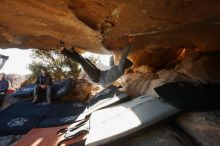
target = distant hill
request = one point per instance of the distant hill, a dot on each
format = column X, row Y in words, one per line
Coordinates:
column 16, row 80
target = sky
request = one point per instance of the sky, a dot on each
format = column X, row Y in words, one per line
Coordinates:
column 104, row 59
column 17, row 62
column 19, row 59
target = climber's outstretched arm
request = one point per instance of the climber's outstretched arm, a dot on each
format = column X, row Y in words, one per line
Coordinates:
column 125, row 53
column 3, row 60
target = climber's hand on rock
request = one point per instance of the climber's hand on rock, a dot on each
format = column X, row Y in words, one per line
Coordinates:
column 4, row 57
column 130, row 39
column 61, row 45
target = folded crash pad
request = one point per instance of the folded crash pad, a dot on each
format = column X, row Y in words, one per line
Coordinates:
column 107, row 125
column 107, row 97
column 25, row 91
column 59, row 89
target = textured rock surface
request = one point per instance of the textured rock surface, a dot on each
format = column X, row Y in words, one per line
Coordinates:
column 156, row 136
column 168, row 25
column 40, row 24
column 196, row 68
column 203, row 127
column 80, row 91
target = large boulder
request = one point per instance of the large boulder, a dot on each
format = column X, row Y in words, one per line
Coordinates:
column 80, row 91
column 162, row 135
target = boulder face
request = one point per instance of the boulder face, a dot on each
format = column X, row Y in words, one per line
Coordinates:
column 196, row 68
column 162, row 27
column 80, row 91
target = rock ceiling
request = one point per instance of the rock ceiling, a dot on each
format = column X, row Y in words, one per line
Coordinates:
column 165, row 26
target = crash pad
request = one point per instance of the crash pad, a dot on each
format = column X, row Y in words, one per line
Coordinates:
column 109, row 124
column 45, row 137
column 57, row 114
column 24, row 116
column 107, row 97
column 185, row 95
column 59, row 89
column 17, row 125
column 25, row 91
column 61, row 114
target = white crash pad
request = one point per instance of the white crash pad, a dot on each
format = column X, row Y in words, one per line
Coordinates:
column 112, row 123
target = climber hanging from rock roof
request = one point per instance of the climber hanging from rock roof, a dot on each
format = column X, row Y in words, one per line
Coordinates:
column 104, row 77
column 3, row 60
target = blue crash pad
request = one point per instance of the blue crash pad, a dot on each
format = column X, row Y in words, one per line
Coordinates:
column 21, row 117
column 59, row 89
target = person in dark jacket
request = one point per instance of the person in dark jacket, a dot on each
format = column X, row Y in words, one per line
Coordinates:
column 103, row 77
column 43, row 82
column 4, row 84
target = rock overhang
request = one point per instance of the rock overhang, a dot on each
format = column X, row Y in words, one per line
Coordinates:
column 164, row 27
